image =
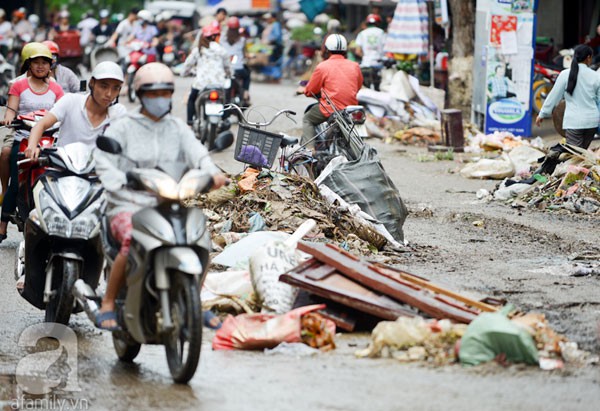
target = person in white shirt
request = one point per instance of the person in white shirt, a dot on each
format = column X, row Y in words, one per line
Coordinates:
column 211, row 63
column 85, row 27
column 124, row 31
column 83, row 117
column 369, row 44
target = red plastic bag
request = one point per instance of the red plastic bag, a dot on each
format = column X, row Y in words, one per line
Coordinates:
column 259, row 331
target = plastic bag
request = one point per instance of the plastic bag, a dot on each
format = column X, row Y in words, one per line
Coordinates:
column 365, row 182
column 259, row 331
column 492, row 334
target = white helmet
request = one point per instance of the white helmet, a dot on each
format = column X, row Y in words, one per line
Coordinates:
column 108, row 70
column 103, row 14
column 34, row 19
column 145, row 15
column 336, row 42
column 2, row 13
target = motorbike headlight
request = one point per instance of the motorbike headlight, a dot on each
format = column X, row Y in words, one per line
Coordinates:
column 53, row 218
column 161, row 184
column 86, row 223
column 192, row 183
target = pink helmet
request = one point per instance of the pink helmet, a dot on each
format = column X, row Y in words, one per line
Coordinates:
column 154, row 76
column 52, row 46
column 212, row 29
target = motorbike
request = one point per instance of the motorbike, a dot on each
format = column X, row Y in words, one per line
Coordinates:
column 100, row 51
column 62, row 232
column 171, row 56
column 7, row 73
column 167, row 264
column 211, row 120
column 136, row 59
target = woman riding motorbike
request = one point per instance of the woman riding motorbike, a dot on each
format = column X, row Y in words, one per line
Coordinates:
column 35, row 91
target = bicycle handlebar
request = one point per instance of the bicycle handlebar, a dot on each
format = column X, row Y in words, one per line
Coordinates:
column 288, row 113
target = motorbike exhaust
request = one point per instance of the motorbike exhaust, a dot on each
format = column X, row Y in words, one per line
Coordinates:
column 87, row 298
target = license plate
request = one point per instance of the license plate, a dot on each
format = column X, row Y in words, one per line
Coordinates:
column 361, row 130
column 213, row 109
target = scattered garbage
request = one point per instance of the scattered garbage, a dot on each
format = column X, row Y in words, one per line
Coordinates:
column 292, row 349
column 415, row 339
column 259, row 331
column 574, row 187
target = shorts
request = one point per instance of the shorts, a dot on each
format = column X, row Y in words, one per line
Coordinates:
column 580, row 137
column 121, row 228
column 7, row 139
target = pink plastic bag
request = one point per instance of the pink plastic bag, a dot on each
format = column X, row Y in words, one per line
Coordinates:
column 258, row 331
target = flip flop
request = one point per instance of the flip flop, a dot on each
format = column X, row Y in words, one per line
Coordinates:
column 105, row 316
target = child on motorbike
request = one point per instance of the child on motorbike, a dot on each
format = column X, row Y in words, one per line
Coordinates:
column 211, row 63
column 83, row 117
column 149, row 136
column 35, row 91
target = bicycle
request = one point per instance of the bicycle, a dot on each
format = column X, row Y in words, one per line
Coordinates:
column 260, row 148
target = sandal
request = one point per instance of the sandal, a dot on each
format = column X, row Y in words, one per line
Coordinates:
column 106, row 316
column 209, row 320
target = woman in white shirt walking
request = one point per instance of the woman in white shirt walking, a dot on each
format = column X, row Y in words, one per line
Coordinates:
column 580, row 87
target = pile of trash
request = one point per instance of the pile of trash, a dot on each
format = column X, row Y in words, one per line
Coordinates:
column 402, row 105
column 505, row 336
column 514, row 156
column 270, row 201
column 573, row 187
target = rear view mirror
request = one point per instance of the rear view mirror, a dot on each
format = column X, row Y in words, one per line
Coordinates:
column 83, row 86
column 108, row 145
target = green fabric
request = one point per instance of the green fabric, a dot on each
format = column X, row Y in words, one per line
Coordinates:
column 491, row 334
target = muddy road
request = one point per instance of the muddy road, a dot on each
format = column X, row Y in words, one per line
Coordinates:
column 518, row 255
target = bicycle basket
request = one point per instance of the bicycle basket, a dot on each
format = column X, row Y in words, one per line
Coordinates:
column 256, row 147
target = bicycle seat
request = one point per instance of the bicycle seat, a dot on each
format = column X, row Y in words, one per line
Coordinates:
column 288, row 141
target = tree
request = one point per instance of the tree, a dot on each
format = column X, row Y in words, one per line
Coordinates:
column 460, row 84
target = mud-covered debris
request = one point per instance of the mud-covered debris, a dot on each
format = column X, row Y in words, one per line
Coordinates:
column 284, row 202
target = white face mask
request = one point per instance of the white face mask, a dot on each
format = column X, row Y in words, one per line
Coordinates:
column 157, row 106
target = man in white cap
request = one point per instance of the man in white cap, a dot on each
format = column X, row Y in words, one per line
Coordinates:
column 83, row 117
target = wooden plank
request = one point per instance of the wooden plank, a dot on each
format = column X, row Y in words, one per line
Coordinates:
column 319, row 273
column 435, row 288
column 350, row 267
column 340, row 290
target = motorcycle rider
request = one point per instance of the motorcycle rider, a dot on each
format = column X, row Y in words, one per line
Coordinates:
column 337, row 77
column 104, row 28
column 211, row 62
column 83, row 117
column 22, row 28
column 369, row 46
column 85, row 27
column 148, row 136
column 35, row 91
column 62, row 74
column 123, row 32
column 148, row 33
column 235, row 45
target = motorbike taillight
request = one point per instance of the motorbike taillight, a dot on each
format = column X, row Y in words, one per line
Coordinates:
column 168, row 49
column 213, row 96
column 358, row 117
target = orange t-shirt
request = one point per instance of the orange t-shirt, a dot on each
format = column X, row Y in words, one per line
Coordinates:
column 337, row 77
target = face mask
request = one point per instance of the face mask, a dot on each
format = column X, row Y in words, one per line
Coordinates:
column 158, row 106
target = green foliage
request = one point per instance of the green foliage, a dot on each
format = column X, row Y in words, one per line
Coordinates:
column 305, row 33
column 78, row 7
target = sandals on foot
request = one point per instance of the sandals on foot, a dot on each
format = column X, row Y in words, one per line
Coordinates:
column 209, row 320
column 106, row 316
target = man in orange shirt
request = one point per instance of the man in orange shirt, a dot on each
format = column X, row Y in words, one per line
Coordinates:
column 338, row 78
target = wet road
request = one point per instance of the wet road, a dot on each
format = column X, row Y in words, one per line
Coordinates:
column 254, row 381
